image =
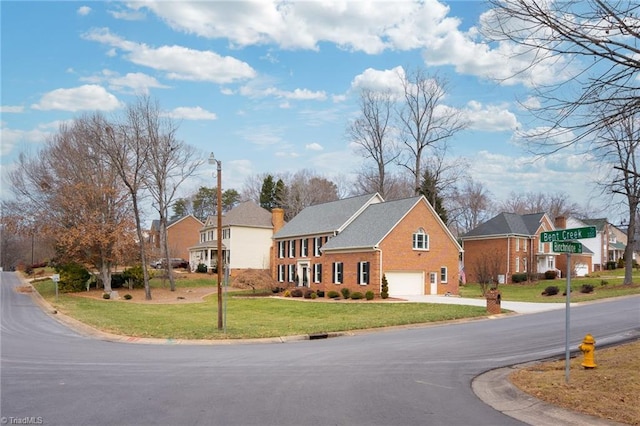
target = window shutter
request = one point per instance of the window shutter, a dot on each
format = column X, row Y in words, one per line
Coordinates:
column 333, row 272
column 360, row 272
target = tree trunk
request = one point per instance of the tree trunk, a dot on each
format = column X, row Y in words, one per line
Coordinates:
column 631, row 240
column 105, row 275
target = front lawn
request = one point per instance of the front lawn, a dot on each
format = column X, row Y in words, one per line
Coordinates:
column 604, row 286
column 247, row 317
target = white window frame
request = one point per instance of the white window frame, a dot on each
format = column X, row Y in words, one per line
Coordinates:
column 317, row 245
column 292, row 248
column 517, row 264
column 524, row 264
column 304, row 247
column 338, row 272
column 420, row 240
column 444, row 274
column 281, row 249
column 281, row 273
column 292, row 273
column 317, row 272
column 364, row 270
column 517, row 244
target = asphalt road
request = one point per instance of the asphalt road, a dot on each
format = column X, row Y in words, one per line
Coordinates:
column 413, row 376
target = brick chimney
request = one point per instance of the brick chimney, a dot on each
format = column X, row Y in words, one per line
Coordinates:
column 277, row 218
column 561, row 222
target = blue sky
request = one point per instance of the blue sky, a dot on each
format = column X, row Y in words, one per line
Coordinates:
column 271, row 86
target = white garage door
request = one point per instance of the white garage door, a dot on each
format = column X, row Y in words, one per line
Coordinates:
column 581, row 269
column 405, row 283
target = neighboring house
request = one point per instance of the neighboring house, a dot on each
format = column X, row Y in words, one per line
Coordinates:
column 352, row 243
column 247, row 232
column 181, row 234
column 508, row 244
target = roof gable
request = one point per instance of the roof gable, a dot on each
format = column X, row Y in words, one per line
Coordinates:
column 372, row 225
column 248, row 214
column 508, row 224
column 328, row 217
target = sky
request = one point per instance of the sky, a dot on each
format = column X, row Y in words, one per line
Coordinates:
column 271, row 86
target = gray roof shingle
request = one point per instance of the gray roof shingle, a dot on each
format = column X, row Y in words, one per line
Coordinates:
column 248, row 214
column 508, row 224
column 370, row 227
column 327, row 217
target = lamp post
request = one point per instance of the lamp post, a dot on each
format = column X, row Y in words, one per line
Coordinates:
column 212, row 160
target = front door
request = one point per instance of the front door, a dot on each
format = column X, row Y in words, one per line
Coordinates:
column 433, row 280
column 303, row 275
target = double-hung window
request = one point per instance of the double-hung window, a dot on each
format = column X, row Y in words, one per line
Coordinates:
column 363, row 273
column 304, row 247
column 337, row 272
column 317, row 244
column 281, row 250
column 292, row 273
column 281, row 273
column 292, row 248
column 317, row 273
column 443, row 274
column 420, row 240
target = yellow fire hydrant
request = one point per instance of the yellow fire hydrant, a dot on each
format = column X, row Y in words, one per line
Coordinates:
column 588, row 348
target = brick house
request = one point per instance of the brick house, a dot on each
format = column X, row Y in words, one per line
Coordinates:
column 590, row 258
column 508, row 244
column 181, row 234
column 352, row 242
column 247, row 230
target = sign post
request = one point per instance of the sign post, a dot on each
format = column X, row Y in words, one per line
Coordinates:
column 561, row 244
column 56, row 278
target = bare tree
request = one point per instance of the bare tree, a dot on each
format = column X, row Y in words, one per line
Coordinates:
column 622, row 139
column 126, row 144
column 70, row 192
column 424, row 120
column 487, row 268
column 469, row 206
column 170, row 163
column 372, row 134
column 595, row 44
column 305, row 188
column 554, row 204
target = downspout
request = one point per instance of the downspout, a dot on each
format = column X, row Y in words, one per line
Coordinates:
column 380, row 273
column 506, row 278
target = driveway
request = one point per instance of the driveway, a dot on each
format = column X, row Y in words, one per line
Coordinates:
column 518, row 307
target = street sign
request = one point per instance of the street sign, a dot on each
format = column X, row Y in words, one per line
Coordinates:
column 568, row 234
column 566, row 247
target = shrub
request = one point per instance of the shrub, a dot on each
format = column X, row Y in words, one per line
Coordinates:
column 333, row 294
column 604, row 282
column 356, row 295
column 518, row 278
column 586, row 288
column 314, row 296
column 620, row 263
column 134, row 276
column 369, row 295
column 384, row 293
column 550, row 275
column 345, row 292
column 117, row 280
column 320, row 293
column 286, row 293
column 73, row 277
column 106, row 296
column 28, row 270
column 296, row 292
column 128, row 296
column 308, row 292
column 612, row 264
column 550, row 291
column 201, row 268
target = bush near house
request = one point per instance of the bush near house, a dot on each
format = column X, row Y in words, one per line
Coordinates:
column 550, row 275
column 356, row 295
column 73, row 277
column 369, row 295
column 519, row 278
column 384, row 291
column 345, row 292
column 201, row 268
column 586, row 288
column 333, row 294
column 552, row 290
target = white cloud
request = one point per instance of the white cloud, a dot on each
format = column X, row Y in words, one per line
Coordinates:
column 136, row 82
column 262, row 135
column 297, row 94
column 531, row 102
column 192, row 113
column 179, row 63
column 4, row 109
column 489, row 118
column 87, row 97
column 314, row 147
column 380, row 81
column 83, row 10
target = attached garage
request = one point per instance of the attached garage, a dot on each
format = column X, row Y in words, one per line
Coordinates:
column 405, row 283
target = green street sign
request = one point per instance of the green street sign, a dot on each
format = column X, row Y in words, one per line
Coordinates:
column 566, row 247
column 568, row 234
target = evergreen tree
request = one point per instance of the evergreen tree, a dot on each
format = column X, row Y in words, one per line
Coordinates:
column 429, row 189
column 268, row 193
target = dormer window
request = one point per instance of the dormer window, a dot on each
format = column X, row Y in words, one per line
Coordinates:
column 420, row 240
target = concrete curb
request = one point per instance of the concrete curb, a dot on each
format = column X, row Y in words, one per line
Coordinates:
column 495, row 390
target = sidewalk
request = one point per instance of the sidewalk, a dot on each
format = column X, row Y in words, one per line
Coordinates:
column 518, row 307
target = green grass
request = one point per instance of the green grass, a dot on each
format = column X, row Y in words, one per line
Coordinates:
column 532, row 292
column 247, row 317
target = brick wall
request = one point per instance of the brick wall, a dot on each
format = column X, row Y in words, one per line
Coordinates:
column 182, row 235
